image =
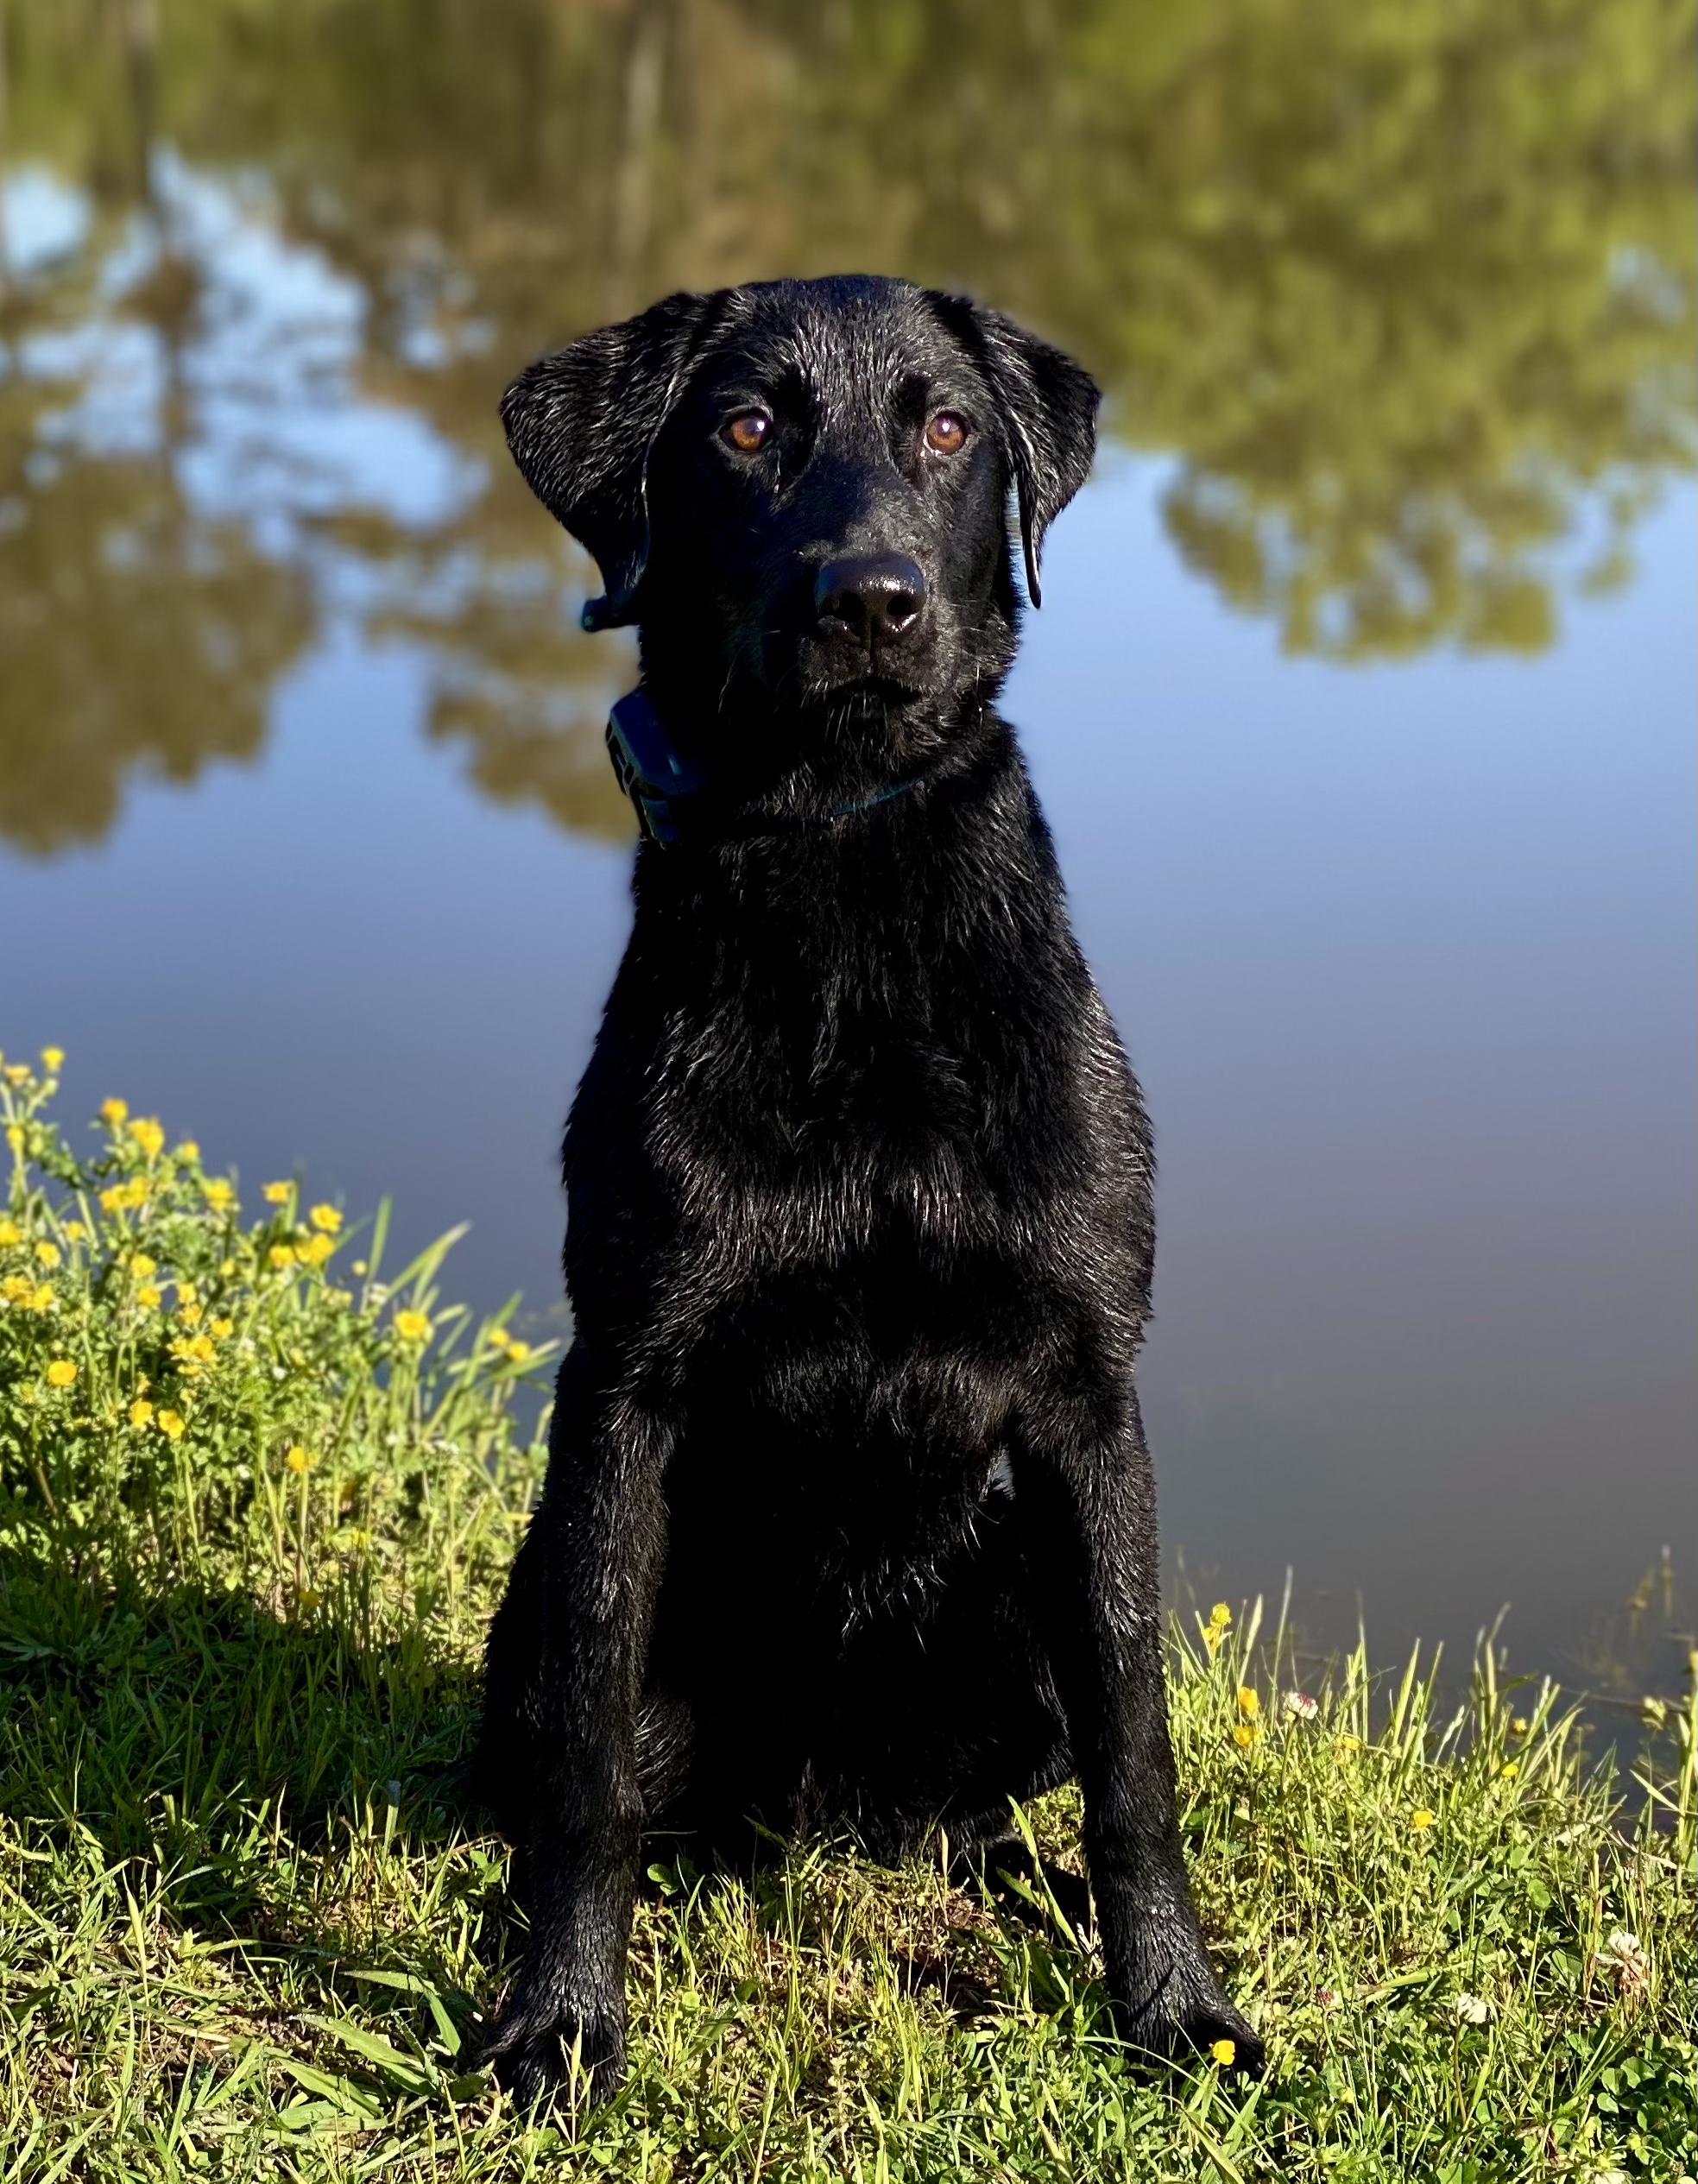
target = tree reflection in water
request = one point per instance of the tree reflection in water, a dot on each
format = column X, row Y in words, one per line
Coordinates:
column 1405, row 287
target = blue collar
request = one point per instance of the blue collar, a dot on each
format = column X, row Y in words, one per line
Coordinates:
column 663, row 784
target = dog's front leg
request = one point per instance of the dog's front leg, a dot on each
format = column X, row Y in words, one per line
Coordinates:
column 1086, row 1476
column 603, row 1521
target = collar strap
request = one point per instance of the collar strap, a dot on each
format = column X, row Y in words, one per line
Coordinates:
column 666, row 788
column 660, row 780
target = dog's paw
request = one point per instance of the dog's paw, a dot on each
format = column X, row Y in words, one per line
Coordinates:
column 1211, row 2028
column 545, row 2053
column 1176, row 2011
column 1016, row 1883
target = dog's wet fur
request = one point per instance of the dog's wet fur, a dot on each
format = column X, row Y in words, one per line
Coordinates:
column 848, row 1517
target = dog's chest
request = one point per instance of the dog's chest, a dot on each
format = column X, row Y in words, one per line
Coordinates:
column 801, row 1122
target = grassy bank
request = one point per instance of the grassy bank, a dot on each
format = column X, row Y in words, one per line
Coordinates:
column 255, row 1503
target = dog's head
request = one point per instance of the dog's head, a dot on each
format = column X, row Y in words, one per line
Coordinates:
column 800, row 491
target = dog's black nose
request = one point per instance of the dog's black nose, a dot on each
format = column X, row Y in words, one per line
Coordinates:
column 872, row 598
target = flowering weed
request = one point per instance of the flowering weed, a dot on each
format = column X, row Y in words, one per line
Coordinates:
column 163, row 1364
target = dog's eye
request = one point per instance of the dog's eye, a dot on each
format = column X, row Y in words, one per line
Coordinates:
column 748, row 432
column 946, row 433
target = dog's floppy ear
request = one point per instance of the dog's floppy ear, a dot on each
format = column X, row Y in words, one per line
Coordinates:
column 1046, row 409
column 581, row 425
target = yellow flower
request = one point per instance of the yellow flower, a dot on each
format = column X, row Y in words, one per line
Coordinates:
column 327, row 1218
column 1518, row 1727
column 10, row 1233
column 193, row 1350
column 16, row 1288
column 1423, row 1817
column 277, row 1194
column 170, row 1424
column 517, row 1353
column 281, row 1255
column 140, row 1412
column 223, row 1329
column 53, row 1059
column 217, row 1193
column 189, row 1310
column 61, row 1373
column 309, row 1596
column 1510, row 1769
column 412, row 1327
column 14, row 1136
column 122, row 1197
column 189, row 1150
column 47, row 1253
column 1344, row 1746
column 1244, row 1736
column 147, row 1297
column 147, row 1134
column 316, row 1250
column 41, row 1297
column 1220, row 1615
column 75, row 1231
column 1224, row 2052
column 17, row 1073
column 141, row 1265
column 1248, row 1704
column 299, row 1459
column 112, row 1112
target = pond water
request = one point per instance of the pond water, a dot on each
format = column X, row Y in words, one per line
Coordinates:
column 1361, row 700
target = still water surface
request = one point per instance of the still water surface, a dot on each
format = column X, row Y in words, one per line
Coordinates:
column 1361, row 700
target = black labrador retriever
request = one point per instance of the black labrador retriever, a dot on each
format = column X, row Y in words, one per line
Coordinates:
column 849, row 1515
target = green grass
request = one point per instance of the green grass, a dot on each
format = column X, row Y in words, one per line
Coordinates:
column 246, row 1556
